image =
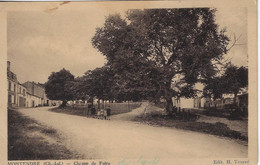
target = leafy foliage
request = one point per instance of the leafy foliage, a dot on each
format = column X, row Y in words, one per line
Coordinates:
column 150, row 48
column 235, row 78
column 97, row 83
column 58, row 86
column 232, row 81
column 214, row 88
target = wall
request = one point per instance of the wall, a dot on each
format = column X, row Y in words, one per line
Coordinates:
column 32, row 101
column 12, row 93
column 21, row 95
column 183, row 102
column 35, row 89
column 187, row 103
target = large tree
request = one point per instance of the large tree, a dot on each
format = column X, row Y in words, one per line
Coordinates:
column 214, row 88
column 77, row 89
column 58, row 86
column 234, row 79
column 168, row 50
column 97, row 83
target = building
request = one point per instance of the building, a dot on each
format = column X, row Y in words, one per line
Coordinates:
column 29, row 94
column 188, row 103
column 32, row 100
column 227, row 102
column 21, row 95
column 16, row 91
column 36, row 95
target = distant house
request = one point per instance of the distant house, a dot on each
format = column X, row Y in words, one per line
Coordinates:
column 21, row 95
column 182, row 102
column 36, row 95
column 28, row 94
column 16, row 91
column 199, row 102
column 227, row 101
column 32, row 100
column 189, row 103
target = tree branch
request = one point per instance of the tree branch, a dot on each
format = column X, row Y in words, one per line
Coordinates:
column 234, row 43
column 160, row 53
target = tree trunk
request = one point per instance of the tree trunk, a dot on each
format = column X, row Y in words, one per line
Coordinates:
column 169, row 105
column 235, row 102
column 91, row 100
column 98, row 103
column 73, row 104
column 128, row 106
column 168, row 97
column 64, row 102
column 103, row 103
column 179, row 103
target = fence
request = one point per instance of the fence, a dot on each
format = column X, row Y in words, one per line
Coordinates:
column 228, row 103
column 116, row 108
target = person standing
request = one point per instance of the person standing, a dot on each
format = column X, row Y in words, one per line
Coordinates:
column 93, row 111
column 108, row 110
column 105, row 114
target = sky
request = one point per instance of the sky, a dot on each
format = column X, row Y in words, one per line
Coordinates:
column 42, row 42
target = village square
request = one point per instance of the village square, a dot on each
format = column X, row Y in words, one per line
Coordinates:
column 138, row 84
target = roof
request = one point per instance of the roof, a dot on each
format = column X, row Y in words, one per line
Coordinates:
column 11, row 76
column 35, row 89
column 21, row 84
column 32, row 94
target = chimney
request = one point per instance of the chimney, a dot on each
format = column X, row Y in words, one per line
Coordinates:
column 8, row 65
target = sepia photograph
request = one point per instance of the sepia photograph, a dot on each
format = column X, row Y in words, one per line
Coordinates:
column 129, row 83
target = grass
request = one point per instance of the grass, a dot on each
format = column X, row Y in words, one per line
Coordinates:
column 49, row 131
column 24, row 145
column 216, row 113
column 224, row 113
column 69, row 110
column 81, row 110
column 218, row 129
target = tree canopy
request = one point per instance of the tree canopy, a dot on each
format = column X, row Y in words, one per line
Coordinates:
column 233, row 80
column 214, row 88
column 58, row 86
column 164, row 50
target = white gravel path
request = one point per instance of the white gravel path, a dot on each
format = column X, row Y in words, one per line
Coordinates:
column 97, row 139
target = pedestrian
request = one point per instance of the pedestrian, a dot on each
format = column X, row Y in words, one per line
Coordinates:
column 102, row 114
column 105, row 114
column 93, row 111
column 108, row 113
column 98, row 113
column 89, row 108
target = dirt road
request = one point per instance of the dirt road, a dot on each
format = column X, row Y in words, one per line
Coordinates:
column 96, row 138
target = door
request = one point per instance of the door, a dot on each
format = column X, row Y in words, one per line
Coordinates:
column 21, row 102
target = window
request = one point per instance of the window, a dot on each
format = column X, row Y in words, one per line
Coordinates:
column 24, row 92
column 9, row 86
column 20, row 90
column 14, row 99
column 9, row 98
column 14, row 87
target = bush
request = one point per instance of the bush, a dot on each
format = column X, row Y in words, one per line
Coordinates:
column 236, row 115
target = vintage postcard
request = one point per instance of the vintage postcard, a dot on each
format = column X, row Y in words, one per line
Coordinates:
column 128, row 83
